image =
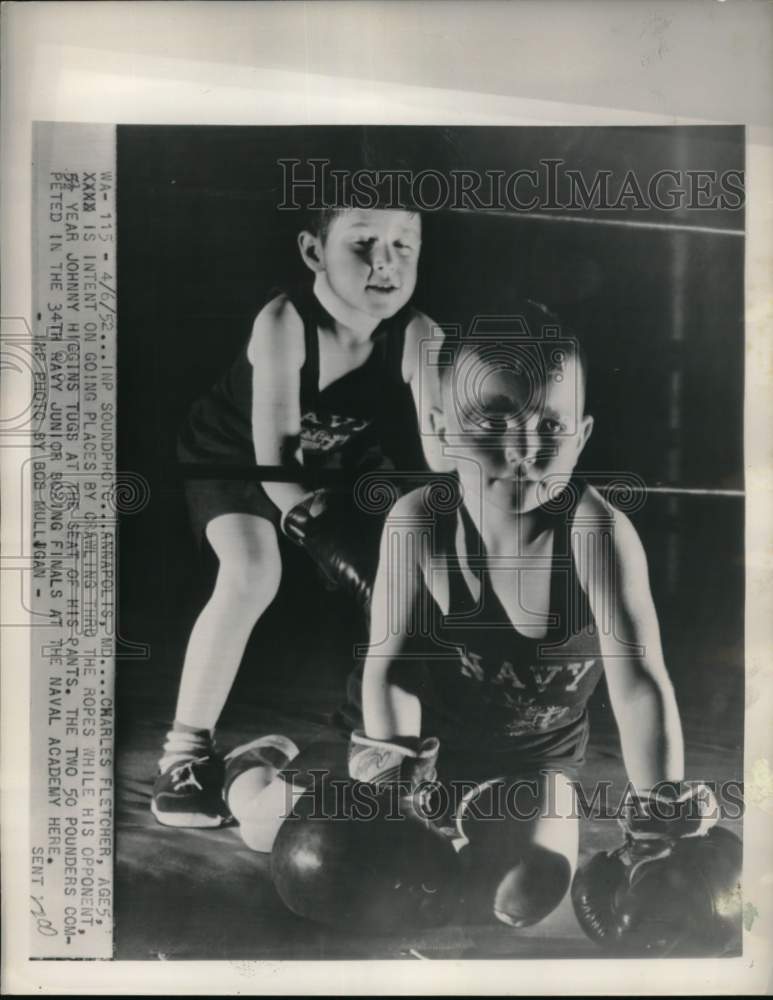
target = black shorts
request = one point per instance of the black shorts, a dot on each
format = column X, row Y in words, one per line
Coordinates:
column 209, row 498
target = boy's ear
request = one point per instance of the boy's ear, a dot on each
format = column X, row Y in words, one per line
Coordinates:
column 586, row 429
column 310, row 247
column 437, row 421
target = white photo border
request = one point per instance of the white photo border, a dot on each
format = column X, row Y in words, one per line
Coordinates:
column 488, row 62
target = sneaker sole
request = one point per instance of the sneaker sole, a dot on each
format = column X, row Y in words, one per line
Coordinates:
column 195, row 821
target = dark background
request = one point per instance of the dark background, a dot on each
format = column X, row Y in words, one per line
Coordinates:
column 201, row 245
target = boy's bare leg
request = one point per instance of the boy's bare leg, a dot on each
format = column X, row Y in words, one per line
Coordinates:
column 247, row 581
column 248, row 578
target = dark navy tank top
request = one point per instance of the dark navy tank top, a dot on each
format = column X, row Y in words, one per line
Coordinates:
column 365, row 419
column 500, row 689
column 498, row 700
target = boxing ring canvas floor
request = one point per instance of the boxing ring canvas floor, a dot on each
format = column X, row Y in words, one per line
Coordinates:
column 201, row 894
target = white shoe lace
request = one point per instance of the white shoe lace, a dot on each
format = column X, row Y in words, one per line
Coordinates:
column 183, row 775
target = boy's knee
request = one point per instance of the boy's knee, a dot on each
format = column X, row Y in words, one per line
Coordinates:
column 533, row 887
column 249, row 582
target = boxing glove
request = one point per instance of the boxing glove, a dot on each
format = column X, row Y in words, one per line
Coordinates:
column 377, row 875
column 669, row 811
column 672, row 888
column 518, row 841
column 406, row 767
column 341, row 538
column 250, row 788
column 407, row 760
column 384, row 869
column 265, row 779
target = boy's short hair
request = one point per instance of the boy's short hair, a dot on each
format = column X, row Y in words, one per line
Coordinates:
column 318, row 221
column 529, row 325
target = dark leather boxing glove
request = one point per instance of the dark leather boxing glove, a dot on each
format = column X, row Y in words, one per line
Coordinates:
column 341, row 538
column 507, row 872
column 375, row 870
column 673, row 887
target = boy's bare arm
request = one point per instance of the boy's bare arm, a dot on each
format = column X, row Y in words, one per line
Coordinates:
column 424, row 381
column 276, row 351
column 388, row 710
column 613, row 570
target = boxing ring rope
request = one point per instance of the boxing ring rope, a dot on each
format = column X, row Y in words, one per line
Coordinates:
column 279, row 474
column 680, row 491
column 589, row 220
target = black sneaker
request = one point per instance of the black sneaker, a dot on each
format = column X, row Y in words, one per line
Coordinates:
column 190, row 793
